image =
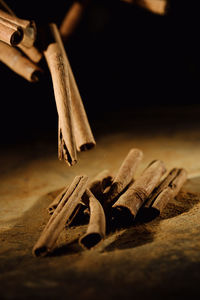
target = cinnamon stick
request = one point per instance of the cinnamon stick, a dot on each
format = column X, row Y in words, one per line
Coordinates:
column 28, row 27
column 169, row 192
column 97, row 224
column 57, row 222
column 130, row 202
column 96, row 186
column 125, row 174
column 10, row 33
column 60, row 78
column 72, row 18
column 155, row 6
column 83, row 134
column 18, row 63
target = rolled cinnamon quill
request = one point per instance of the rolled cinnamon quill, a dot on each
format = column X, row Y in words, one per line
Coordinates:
column 18, row 63
column 125, row 174
column 10, row 33
column 155, row 6
column 96, row 186
column 58, row 220
column 82, row 131
column 60, row 78
column 28, row 27
column 97, row 224
column 72, row 18
column 170, row 192
column 130, row 202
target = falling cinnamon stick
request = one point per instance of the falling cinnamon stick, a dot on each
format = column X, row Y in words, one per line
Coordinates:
column 18, row 63
column 82, row 131
column 155, row 6
column 97, row 224
column 57, row 222
column 10, row 33
column 169, row 192
column 96, row 186
column 130, row 202
column 60, row 78
column 72, row 18
column 28, row 27
column 124, row 175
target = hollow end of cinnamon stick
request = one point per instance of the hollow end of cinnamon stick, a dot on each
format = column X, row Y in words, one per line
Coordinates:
column 90, row 240
column 17, row 37
column 36, row 76
column 40, row 251
column 87, row 146
column 122, row 215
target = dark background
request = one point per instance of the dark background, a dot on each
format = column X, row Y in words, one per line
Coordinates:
column 123, row 57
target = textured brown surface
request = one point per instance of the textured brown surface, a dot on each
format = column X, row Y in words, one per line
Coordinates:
column 153, row 260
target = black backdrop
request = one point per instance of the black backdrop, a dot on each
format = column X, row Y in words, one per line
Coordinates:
column 122, row 56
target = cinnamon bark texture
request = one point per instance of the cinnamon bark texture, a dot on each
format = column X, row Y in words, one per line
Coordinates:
column 10, row 33
column 72, row 18
column 18, row 63
column 60, row 78
column 96, row 186
column 155, row 6
column 28, row 27
column 130, row 202
column 125, row 174
column 170, row 192
column 62, row 214
column 82, row 131
column 97, row 224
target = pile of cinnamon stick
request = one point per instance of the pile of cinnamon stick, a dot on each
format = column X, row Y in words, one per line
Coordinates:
column 18, row 52
column 106, row 198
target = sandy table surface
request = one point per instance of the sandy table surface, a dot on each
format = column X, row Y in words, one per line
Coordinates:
column 153, row 259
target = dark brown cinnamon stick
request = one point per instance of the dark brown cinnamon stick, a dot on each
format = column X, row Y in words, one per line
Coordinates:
column 58, row 220
column 97, row 224
column 60, row 78
column 130, row 202
column 82, row 131
column 124, row 175
column 169, row 192
column 18, row 63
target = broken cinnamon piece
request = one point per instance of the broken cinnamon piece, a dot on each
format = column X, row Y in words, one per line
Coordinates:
column 97, row 186
column 10, row 33
column 124, row 175
column 97, row 224
column 72, row 18
column 18, row 63
column 130, row 202
column 28, row 27
column 60, row 78
column 169, row 192
column 82, row 131
column 62, row 214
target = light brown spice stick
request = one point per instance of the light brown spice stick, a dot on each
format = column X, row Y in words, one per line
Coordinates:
column 10, row 33
column 131, row 201
column 97, row 224
column 72, row 18
column 60, row 78
column 125, row 174
column 155, row 6
column 164, row 183
column 33, row 53
column 96, row 186
column 57, row 222
column 170, row 192
column 18, row 63
column 83, row 134
column 28, row 27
